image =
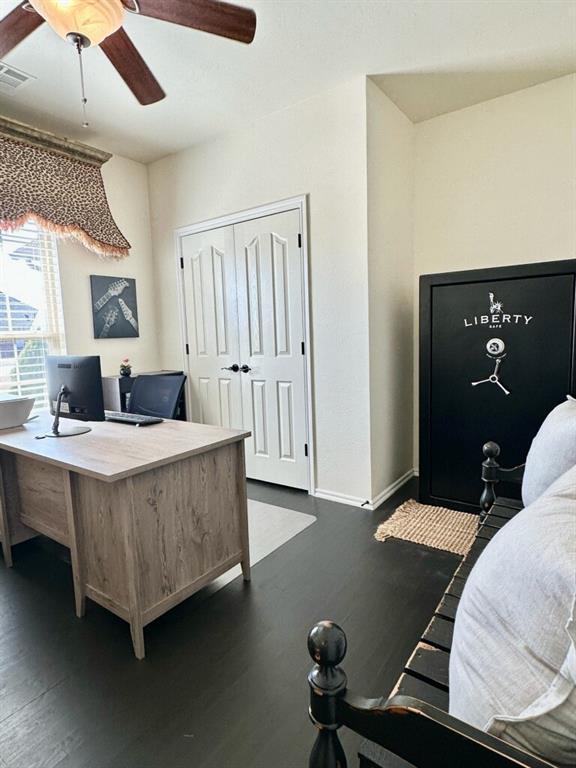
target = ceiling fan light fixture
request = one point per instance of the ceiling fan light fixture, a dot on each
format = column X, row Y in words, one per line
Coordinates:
column 93, row 20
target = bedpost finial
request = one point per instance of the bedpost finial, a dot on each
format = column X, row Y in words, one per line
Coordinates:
column 491, row 450
column 327, row 681
column 327, row 644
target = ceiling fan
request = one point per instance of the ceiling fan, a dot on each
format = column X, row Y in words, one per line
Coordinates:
column 99, row 22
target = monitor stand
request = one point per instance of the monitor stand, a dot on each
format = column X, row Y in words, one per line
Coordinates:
column 69, row 431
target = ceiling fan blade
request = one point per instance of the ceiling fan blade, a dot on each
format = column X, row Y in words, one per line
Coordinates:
column 212, row 16
column 132, row 67
column 16, row 27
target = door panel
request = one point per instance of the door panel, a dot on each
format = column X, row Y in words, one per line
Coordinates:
column 286, row 420
column 259, row 417
column 281, row 299
column 212, row 327
column 270, row 272
column 253, row 270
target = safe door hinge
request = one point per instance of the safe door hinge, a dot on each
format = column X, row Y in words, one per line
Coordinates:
column 305, row 449
column 187, row 349
column 303, row 347
column 299, row 240
column 181, row 262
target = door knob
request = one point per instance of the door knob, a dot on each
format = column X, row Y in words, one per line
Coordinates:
column 245, row 368
column 235, row 368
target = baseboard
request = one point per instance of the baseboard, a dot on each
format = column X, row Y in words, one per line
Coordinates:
column 356, row 501
column 391, row 489
column 416, row 472
column 342, row 498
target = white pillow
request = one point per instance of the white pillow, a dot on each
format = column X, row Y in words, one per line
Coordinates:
column 553, row 451
column 513, row 658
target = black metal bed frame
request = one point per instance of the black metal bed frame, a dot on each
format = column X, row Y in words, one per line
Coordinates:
column 413, row 729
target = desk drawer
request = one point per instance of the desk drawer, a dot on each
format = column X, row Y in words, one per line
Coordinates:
column 40, row 498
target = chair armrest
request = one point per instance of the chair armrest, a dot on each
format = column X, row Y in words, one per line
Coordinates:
column 427, row 737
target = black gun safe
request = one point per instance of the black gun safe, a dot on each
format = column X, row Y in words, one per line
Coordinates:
column 497, row 353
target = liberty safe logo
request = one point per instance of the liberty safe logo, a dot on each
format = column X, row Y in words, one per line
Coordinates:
column 496, row 317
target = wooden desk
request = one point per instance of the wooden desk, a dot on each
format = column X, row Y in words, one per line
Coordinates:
column 150, row 514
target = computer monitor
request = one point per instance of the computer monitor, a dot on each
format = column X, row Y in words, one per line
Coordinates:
column 74, row 392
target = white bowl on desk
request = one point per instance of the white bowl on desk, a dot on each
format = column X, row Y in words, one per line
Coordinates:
column 14, row 410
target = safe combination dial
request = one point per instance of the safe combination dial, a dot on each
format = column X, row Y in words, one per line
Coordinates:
column 495, row 351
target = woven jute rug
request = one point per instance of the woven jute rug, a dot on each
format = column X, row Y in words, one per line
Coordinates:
column 435, row 527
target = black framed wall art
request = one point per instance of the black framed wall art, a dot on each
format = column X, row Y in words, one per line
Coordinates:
column 497, row 353
column 114, row 307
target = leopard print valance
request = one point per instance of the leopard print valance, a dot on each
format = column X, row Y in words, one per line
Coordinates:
column 62, row 194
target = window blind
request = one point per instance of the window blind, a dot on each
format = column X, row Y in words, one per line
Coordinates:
column 31, row 319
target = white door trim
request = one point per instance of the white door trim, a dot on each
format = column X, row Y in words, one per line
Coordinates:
column 299, row 203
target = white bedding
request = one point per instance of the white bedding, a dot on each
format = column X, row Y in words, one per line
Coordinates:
column 553, row 451
column 513, row 658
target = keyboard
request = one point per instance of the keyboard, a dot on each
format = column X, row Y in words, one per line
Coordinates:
column 136, row 419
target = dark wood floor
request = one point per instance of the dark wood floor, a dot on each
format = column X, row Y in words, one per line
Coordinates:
column 224, row 682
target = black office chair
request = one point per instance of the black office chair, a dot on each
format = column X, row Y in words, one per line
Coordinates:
column 156, row 395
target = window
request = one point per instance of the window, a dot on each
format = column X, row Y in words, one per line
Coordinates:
column 31, row 321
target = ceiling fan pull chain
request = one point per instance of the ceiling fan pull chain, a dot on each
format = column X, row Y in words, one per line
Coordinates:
column 85, row 123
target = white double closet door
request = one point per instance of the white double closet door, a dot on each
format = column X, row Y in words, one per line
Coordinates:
column 243, row 289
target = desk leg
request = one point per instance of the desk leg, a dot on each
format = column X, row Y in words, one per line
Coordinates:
column 77, row 572
column 133, row 564
column 137, row 633
column 243, row 507
column 5, row 525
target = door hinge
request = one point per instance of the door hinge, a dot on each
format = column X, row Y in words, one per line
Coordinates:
column 181, row 262
column 299, row 240
column 303, row 347
column 305, row 449
column 187, row 349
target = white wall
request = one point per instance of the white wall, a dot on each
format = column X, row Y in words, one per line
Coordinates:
column 126, row 185
column 495, row 183
column 390, row 163
column 316, row 147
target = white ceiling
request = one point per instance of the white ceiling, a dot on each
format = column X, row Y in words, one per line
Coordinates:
column 423, row 96
column 435, row 56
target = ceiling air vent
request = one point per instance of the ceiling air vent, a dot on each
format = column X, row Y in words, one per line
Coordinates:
column 12, row 79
